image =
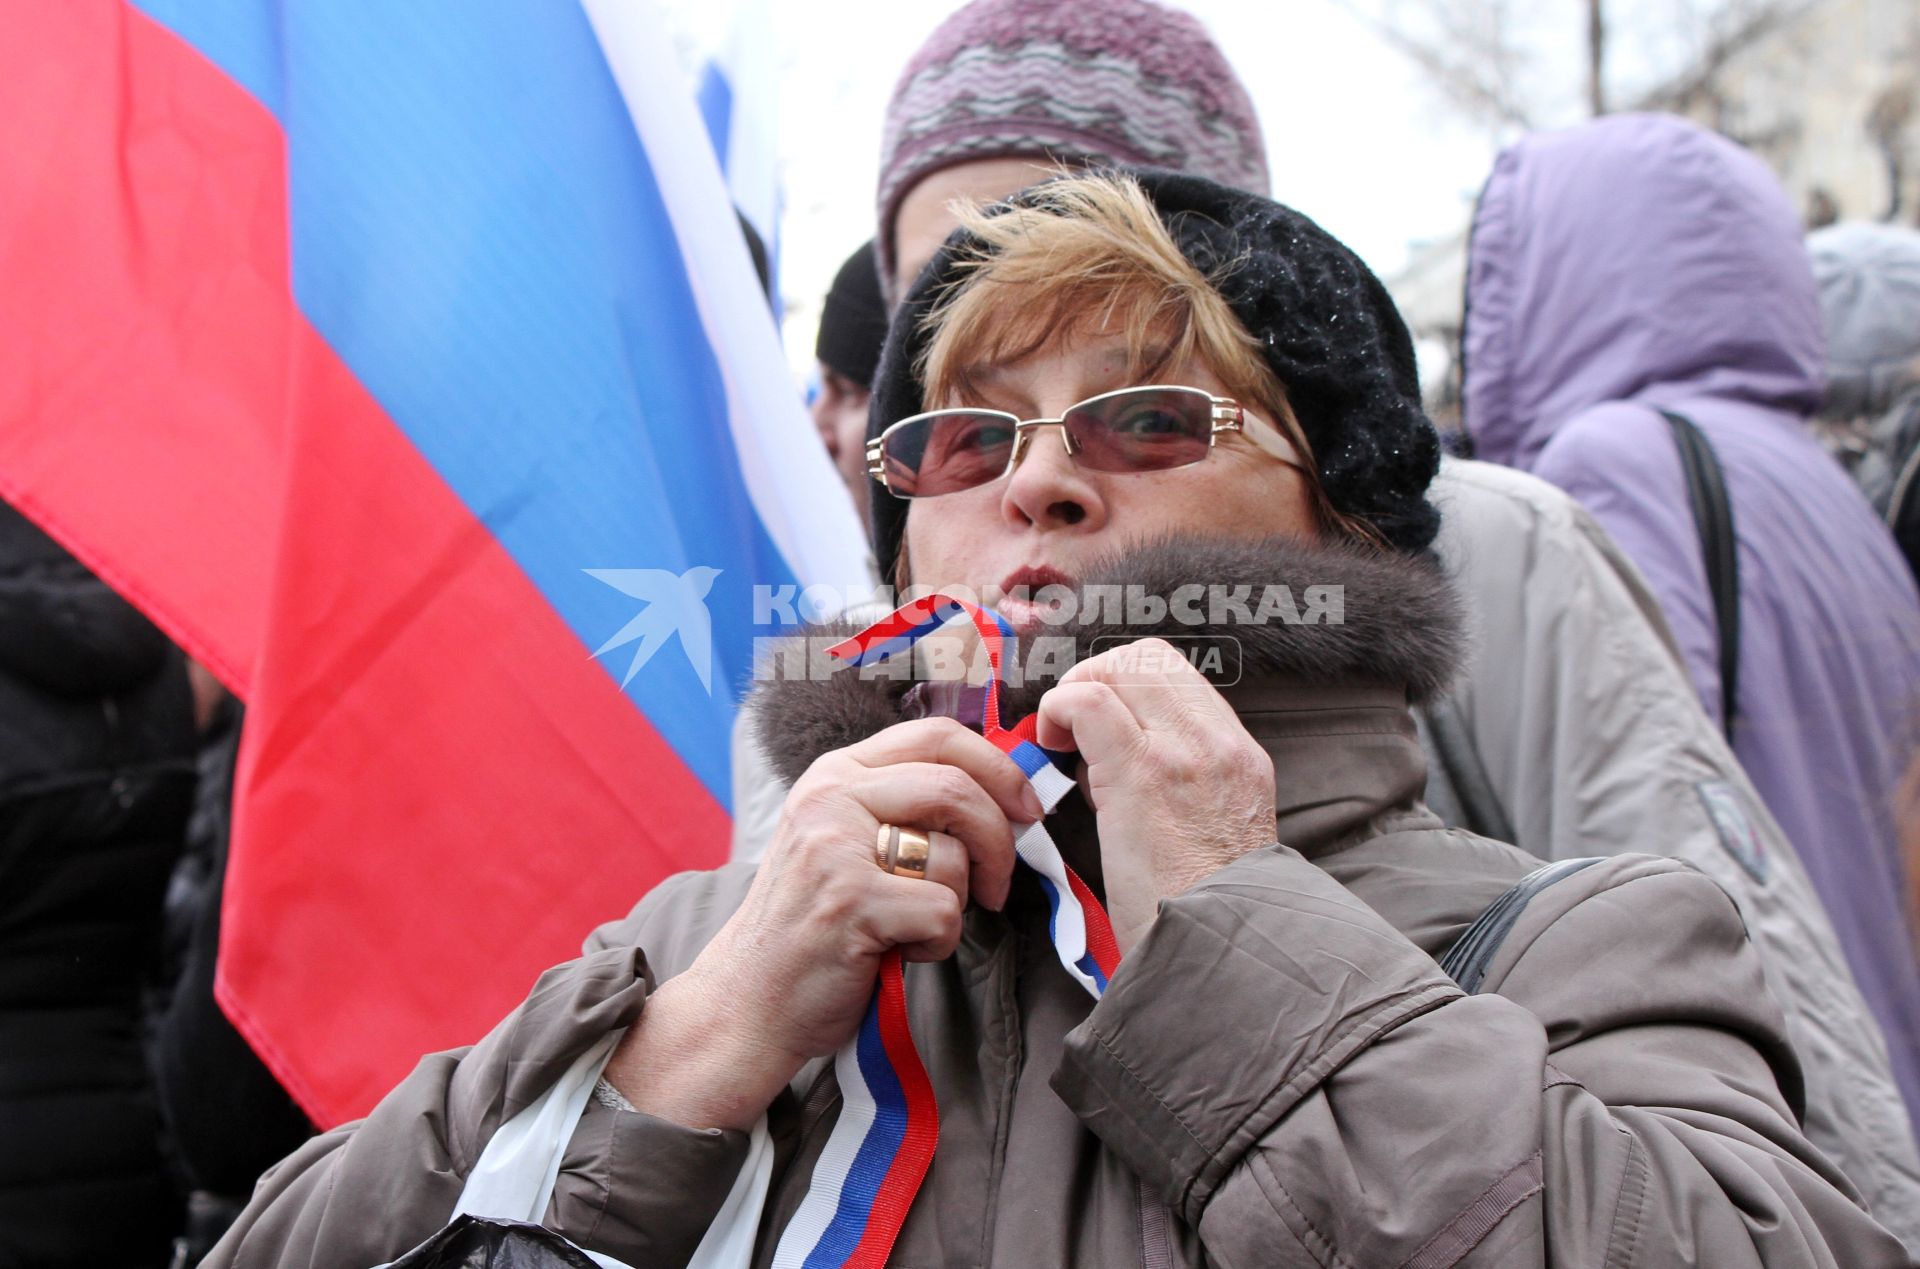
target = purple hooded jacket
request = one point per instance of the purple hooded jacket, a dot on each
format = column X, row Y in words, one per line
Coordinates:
column 1641, row 263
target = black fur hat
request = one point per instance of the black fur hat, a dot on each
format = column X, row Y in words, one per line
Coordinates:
column 1331, row 332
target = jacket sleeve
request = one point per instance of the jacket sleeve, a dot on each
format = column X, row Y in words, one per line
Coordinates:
column 1618, row 1103
column 632, row 1186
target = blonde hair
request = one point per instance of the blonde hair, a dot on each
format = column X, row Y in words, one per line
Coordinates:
column 1088, row 253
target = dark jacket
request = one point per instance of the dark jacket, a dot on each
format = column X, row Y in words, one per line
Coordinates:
column 1279, row 1074
column 96, row 776
column 227, row 1117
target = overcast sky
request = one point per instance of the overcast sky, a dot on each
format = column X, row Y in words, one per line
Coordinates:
column 1354, row 136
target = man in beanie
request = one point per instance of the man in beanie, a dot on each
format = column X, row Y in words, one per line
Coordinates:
column 853, row 325
column 1869, row 279
column 1572, row 729
column 1004, row 92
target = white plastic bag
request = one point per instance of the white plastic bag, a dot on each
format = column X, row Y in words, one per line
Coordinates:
column 519, row 1166
column 729, row 1240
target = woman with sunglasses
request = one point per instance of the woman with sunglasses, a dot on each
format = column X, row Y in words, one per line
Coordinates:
column 1183, row 401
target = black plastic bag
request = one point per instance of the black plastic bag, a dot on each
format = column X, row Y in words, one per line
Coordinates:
column 477, row 1242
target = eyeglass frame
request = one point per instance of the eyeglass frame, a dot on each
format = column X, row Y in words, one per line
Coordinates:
column 1228, row 415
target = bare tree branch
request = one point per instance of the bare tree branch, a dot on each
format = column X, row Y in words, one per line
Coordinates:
column 1597, row 57
column 1471, row 67
column 1472, row 53
column 1735, row 31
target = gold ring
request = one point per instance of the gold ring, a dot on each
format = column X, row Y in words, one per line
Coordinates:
column 902, row 851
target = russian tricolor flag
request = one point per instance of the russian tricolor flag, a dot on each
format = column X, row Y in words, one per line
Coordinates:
column 738, row 107
column 364, row 344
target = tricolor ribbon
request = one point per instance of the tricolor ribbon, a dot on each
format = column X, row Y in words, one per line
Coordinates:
column 882, row 1144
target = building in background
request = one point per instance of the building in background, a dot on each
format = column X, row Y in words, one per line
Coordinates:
column 1831, row 99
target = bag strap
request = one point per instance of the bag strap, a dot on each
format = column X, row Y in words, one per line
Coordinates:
column 1713, row 517
column 1467, row 960
column 1464, row 771
column 1903, row 510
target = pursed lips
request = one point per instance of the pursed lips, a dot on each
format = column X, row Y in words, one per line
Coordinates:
column 1029, row 581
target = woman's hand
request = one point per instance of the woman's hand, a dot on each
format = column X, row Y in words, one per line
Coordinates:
column 1178, row 786
column 790, row 974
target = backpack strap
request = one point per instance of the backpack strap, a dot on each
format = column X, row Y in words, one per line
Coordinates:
column 1467, row 960
column 1713, row 518
column 1903, row 510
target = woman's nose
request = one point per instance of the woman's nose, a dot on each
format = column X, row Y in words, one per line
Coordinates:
column 1048, row 489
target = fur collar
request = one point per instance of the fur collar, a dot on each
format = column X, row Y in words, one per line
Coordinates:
column 1398, row 624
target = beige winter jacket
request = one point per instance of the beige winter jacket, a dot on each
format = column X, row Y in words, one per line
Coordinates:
column 1279, row 1074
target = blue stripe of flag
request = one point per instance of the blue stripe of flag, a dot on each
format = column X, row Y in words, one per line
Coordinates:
column 1030, row 758
column 716, row 111
column 477, row 233
column 1086, row 964
column 1091, row 968
column 879, row 652
column 241, row 37
column 876, row 1153
column 881, row 649
column 1053, row 906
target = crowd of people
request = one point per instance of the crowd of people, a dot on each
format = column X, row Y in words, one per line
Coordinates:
column 1648, row 617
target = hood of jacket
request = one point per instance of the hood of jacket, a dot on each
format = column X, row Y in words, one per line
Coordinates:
column 90, row 690
column 62, row 630
column 1636, row 258
column 1869, row 280
column 1327, row 694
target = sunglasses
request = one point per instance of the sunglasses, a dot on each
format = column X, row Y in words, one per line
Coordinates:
column 1131, row 430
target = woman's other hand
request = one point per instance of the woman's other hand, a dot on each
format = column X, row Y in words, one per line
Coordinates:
column 789, row 976
column 1178, row 786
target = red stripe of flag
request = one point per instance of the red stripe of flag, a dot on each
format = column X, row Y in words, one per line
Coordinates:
column 1100, row 941
column 143, row 375
column 439, row 793
column 988, row 626
column 909, row 1167
column 1010, row 738
column 902, row 620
